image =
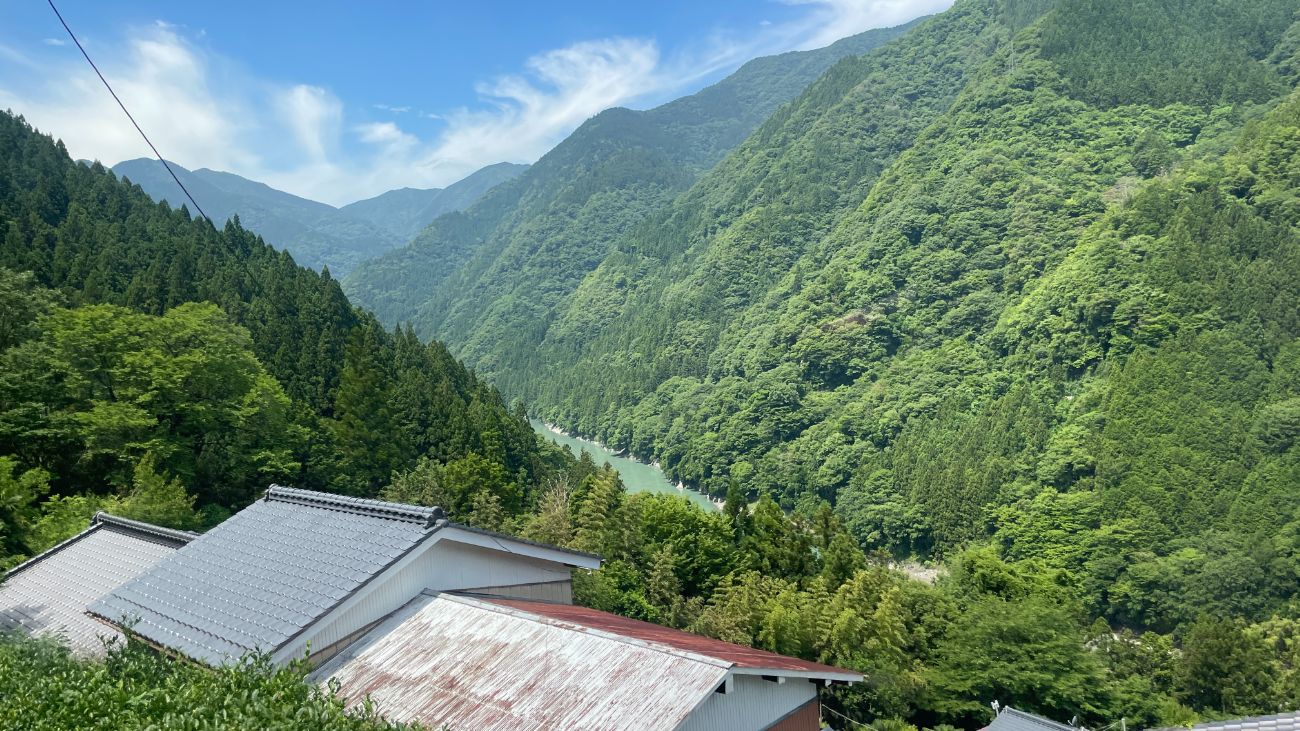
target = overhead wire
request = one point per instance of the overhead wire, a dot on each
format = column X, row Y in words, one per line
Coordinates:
column 125, row 111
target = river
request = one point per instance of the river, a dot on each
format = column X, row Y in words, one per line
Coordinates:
column 637, row 476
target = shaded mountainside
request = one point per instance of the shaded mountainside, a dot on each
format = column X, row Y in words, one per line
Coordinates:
column 316, row 234
column 1027, row 272
column 90, row 388
column 502, row 265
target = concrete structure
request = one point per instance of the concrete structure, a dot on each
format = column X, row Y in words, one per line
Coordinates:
column 483, row 662
column 48, row 594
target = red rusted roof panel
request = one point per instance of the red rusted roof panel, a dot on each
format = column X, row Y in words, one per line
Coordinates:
column 736, row 655
column 465, row 663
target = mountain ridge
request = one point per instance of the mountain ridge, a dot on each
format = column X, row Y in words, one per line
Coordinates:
column 317, row 234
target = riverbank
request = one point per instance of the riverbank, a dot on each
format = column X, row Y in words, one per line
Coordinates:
column 638, row 475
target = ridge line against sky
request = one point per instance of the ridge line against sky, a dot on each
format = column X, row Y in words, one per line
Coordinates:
column 210, row 97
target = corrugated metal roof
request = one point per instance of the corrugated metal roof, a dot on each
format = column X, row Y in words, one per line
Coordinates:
column 1011, row 719
column 1277, row 722
column 48, row 594
column 737, row 656
column 258, row 579
column 473, row 664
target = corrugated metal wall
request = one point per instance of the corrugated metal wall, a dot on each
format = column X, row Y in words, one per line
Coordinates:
column 753, row 704
column 445, row 565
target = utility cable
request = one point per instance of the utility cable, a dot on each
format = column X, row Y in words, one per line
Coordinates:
column 125, row 111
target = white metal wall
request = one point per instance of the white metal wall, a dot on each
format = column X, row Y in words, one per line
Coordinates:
column 752, row 705
column 444, row 565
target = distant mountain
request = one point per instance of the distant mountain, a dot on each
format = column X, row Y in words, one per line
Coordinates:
column 406, row 211
column 315, row 233
column 488, row 279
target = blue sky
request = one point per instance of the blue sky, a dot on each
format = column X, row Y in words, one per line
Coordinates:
column 339, row 101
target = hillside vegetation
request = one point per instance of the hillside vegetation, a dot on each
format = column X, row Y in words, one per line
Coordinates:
column 1023, row 281
column 504, row 264
column 154, row 364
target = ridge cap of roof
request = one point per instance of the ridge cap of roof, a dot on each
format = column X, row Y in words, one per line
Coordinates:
column 138, row 526
column 430, row 517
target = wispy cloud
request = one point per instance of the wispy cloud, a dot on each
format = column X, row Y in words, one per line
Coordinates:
column 206, row 111
column 55, row 42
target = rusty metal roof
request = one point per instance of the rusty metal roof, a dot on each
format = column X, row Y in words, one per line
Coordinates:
column 471, row 664
column 48, row 594
column 736, row 656
column 473, row 661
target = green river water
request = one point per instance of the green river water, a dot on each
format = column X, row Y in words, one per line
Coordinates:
column 637, row 476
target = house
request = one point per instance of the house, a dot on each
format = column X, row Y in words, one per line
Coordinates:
column 301, row 573
column 488, row 662
column 443, row 623
column 47, row 595
column 1278, row 722
column 1012, row 719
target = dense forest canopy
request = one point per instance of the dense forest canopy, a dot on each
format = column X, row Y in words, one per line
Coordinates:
column 1021, row 282
column 1012, row 293
column 135, row 335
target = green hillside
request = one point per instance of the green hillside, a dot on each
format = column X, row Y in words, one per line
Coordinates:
column 1032, row 262
column 503, row 264
column 152, row 363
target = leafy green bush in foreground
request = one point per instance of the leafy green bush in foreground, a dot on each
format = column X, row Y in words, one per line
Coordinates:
column 42, row 687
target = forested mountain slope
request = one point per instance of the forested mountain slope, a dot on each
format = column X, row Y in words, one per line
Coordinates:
column 949, row 287
column 317, row 234
column 489, row 278
column 139, row 346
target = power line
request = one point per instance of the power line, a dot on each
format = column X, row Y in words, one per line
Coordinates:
column 125, row 111
column 846, row 718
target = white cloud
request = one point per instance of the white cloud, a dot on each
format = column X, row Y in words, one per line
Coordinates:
column 55, row 42
column 835, row 19
column 164, row 83
column 205, row 111
column 314, row 115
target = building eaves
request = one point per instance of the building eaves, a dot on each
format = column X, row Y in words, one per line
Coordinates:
column 525, row 541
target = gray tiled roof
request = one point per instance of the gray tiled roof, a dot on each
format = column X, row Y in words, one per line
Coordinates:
column 48, row 594
column 1278, row 722
column 1010, row 719
column 260, row 578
